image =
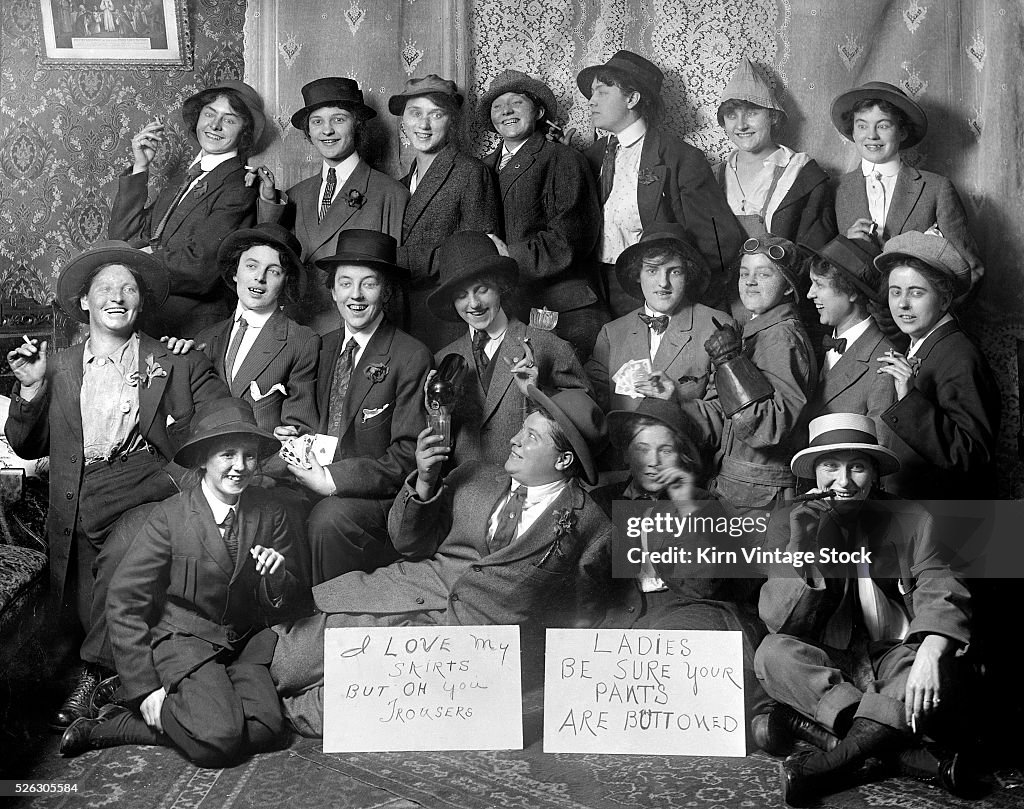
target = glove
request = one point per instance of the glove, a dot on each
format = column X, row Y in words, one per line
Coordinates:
column 725, row 344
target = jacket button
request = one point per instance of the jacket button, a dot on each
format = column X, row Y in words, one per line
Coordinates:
column 419, row 600
column 70, row 495
column 477, row 568
column 455, row 597
column 67, row 532
column 74, row 459
column 630, row 609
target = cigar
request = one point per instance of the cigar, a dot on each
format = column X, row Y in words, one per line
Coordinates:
column 810, row 496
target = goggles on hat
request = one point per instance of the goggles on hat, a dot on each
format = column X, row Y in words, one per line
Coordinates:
column 776, row 252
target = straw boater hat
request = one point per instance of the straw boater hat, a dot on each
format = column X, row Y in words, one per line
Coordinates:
column 366, row 248
column 268, row 233
column 148, row 270
column 843, row 431
column 332, row 91
column 621, row 424
column 854, row 258
column 514, row 81
column 845, row 102
column 935, row 251
column 582, row 422
column 636, row 70
column 466, row 255
column 249, row 96
column 431, row 83
column 219, row 418
column 748, row 85
column 668, row 235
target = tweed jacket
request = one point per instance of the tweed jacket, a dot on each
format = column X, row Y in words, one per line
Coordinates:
column 681, row 354
column 920, row 200
column 217, row 206
column 51, row 424
column 448, row 566
column 552, row 222
column 946, row 427
column 906, row 564
column 383, row 411
column 177, row 584
column 677, row 185
column 487, row 420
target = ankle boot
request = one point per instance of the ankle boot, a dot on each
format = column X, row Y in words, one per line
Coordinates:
column 115, row 726
column 951, row 772
column 78, row 702
column 777, row 731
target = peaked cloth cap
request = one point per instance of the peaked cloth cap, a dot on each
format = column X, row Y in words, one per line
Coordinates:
column 843, row 431
column 268, row 233
column 636, row 70
column 332, row 91
column 431, row 83
column 747, row 84
column 854, row 258
column 149, row 271
column 937, row 252
column 622, row 424
column 667, row 235
column 515, row 81
column 845, row 102
column 217, row 419
column 249, row 96
column 580, row 419
column 366, row 248
column 466, row 255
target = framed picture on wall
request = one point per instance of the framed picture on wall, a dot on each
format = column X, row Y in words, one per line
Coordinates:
column 114, row 33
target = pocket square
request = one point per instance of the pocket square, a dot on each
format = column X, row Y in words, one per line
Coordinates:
column 372, row 412
column 254, row 391
column 170, row 420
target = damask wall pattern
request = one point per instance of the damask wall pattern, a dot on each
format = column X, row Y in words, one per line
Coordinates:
column 65, row 136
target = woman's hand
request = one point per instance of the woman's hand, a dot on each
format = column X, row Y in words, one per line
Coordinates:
column 863, row 229
column 430, row 457
column 268, row 188
column 678, row 481
column 900, row 368
column 145, row 144
column 524, row 369
column 150, row 709
column 269, row 562
column 28, row 363
column 657, row 386
column 924, row 683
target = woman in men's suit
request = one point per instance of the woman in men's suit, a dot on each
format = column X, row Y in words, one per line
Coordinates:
column 504, row 355
column 195, row 211
column 450, row 192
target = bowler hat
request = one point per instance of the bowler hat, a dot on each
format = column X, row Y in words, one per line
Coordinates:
column 249, row 97
column 148, row 270
column 836, row 432
column 664, row 234
column 854, row 258
column 515, row 81
column 218, row 418
column 332, row 91
column 431, row 83
column 466, row 255
column 845, row 102
column 367, row 248
column 580, row 419
column 268, row 233
column 934, row 250
column 747, row 84
column 636, row 70
column 621, row 424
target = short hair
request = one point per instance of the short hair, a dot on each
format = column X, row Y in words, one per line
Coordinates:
column 682, row 446
column 734, row 104
column 360, row 133
column 146, row 295
column 191, row 113
column 542, row 122
column 650, row 107
column 837, row 279
column 292, row 270
column 902, row 119
column 697, row 275
column 944, row 285
column 560, row 440
column 449, row 105
column 387, row 284
column 193, row 476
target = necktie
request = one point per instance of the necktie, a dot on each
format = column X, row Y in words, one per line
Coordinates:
column 325, row 203
column 657, row 324
column 339, row 388
column 608, row 168
column 480, row 339
column 232, row 355
column 505, row 157
column 231, row 535
column 876, row 198
column 508, row 521
column 837, row 344
column 190, row 177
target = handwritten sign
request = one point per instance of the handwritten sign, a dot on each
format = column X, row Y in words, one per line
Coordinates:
column 669, row 692
column 422, row 688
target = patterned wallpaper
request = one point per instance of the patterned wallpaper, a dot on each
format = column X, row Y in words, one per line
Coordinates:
column 65, row 135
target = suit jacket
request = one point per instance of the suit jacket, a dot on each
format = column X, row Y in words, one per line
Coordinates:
column 51, row 424
column 919, row 200
column 177, row 580
column 552, row 223
column 381, row 419
column 456, row 193
column 449, row 567
column 485, row 421
column 683, row 190
column 681, row 354
column 218, row 205
column 946, row 427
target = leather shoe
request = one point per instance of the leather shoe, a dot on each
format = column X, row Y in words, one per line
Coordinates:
column 78, row 702
column 776, row 732
column 798, row 786
column 952, row 772
column 104, row 693
column 78, row 738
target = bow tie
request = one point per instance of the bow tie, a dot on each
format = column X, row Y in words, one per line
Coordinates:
column 837, row 344
column 657, row 324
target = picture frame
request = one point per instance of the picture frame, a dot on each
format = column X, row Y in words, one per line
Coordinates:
column 114, row 34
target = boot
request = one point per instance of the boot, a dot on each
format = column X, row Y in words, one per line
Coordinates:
column 115, row 726
column 78, row 702
column 777, row 731
column 105, row 693
column 951, row 772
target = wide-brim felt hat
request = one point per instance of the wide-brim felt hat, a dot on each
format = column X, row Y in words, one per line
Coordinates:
column 332, row 91
column 747, row 84
column 249, row 97
column 855, row 259
column 515, row 81
column 431, row 83
column 845, row 102
column 463, row 256
column 268, row 233
column 580, row 419
column 670, row 234
column 148, row 269
column 640, row 72
column 621, row 424
column 837, row 432
column 218, row 419
column 366, row 248
column 936, row 251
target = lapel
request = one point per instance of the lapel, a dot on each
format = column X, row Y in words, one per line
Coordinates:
column 520, row 162
column 268, row 344
column 775, row 315
column 248, row 529
column 858, row 195
column 340, row 211
column 206, row 528
column 906, row 193
column 217, row 347
column 378, row 350
column 853, row 364
column 325, row 372
column 429, row 184
column 198, row 195
column 67, row 381
column 933, row 340
column 675, row 338
column 648, row 195
column 542, row 532
column 151, row 391
column 501, row 379
column 637, row 342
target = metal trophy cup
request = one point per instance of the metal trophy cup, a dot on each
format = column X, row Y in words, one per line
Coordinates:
column 443, row 394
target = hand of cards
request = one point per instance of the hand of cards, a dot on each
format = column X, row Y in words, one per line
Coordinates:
column 299, row 451
column 630, row 375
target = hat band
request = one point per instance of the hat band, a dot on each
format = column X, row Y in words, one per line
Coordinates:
column 848, row 436
column 356, row 258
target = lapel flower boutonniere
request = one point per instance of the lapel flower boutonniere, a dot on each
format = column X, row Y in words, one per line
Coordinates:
column 153, row 370
column 646, row 177
column 376, row 372
column 565, row 522
column 355, row 198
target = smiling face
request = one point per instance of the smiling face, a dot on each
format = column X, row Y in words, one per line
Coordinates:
column 915, row 304
column 664, row 284
column 332, row 130
column 426, row 124
column 762, row 285
column 219, row 127
column 259, row 278
column 478, row 302
column 851, row 474
column 877, row 135
column 533, row 459
column 114, row 301
column 652, row 449
column 515, row 117
column 611, row 109
column 835, row 308
column 358, row 293
column 230, row 466
column 749, row 128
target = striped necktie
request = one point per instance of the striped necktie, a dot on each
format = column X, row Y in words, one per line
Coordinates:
column 325, row 203
column 194, row 173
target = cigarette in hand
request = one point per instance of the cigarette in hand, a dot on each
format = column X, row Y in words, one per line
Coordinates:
column 555, row 126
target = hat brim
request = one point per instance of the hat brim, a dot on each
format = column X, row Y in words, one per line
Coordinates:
column 632, row 285
column 576, row 439
column 535, row 88
column 360, row 110
column 803, row 462
column 441, row 300
column 886, row 261
column 150, row 271
column 396, row 104
column 394, row 271
column 863, row 288
column 259, row 118
column 194, row 452
column 848, row 100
